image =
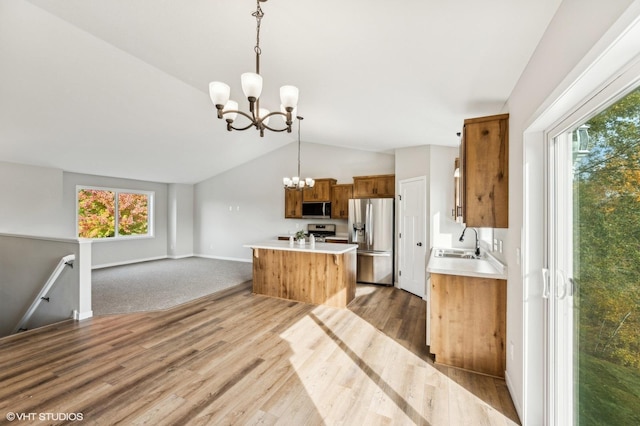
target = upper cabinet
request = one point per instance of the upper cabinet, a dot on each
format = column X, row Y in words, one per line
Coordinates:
column 321, row 191
column 327, row 190
column 484, row 172
column 380, row 186
column 340, row 195
column 292, row 203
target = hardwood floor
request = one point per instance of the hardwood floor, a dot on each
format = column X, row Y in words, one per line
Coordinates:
column 239, row 358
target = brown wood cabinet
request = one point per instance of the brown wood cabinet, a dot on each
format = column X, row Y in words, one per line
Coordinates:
column 340, row 195
column 379, row 186
column 321, row 191
column 305, row 276
column 468, row 322
column 336, row 240
column 484, row 172
column 292, row 203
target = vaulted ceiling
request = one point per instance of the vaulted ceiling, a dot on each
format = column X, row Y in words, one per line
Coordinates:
column 120, row 87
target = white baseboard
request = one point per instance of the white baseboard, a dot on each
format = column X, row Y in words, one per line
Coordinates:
column 82, row 315
column 236, row 259
column 182, row 256
column 128, row 262
column 516, row 403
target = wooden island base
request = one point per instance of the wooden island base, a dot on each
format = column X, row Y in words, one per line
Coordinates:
column 310, row 276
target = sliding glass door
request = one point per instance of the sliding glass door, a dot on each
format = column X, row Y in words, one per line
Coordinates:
column 593, row 269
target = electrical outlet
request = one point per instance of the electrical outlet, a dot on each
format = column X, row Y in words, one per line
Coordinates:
column 495, row 244
column 511, row 350
column 499, row 246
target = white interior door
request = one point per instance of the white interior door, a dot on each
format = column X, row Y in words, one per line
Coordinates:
column 412, row 238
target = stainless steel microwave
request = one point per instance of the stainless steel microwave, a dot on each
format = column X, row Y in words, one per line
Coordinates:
column 316, row 210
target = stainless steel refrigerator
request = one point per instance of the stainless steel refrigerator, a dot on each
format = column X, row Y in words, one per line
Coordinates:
column 371, row 226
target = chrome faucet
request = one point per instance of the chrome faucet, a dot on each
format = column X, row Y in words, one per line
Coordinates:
column 477, row 242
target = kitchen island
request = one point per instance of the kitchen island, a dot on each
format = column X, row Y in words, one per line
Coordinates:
column 320, row 273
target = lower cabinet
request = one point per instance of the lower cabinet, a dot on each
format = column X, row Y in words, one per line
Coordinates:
column 468, row 322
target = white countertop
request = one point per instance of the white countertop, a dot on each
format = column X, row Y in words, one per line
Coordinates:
column 327, row 248
column 333, row 237
column 486, row 267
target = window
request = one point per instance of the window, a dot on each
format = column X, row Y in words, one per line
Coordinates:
column 114, row 213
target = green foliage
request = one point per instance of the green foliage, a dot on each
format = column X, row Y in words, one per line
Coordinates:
column 609, row 394
column 607, row 266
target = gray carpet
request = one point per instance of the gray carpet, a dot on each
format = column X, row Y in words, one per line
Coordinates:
column 161, row 284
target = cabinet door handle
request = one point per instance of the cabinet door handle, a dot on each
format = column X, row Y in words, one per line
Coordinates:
column 419, row 244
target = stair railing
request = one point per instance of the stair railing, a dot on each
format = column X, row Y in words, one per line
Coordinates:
column 65, row 261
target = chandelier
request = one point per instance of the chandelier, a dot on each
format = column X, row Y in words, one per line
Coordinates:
column 252, row 88
column 296, row 182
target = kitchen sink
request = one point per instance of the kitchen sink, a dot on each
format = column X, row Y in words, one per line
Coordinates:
column 455, row 254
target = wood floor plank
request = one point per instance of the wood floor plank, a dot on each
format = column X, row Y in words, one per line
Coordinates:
column 238, row 358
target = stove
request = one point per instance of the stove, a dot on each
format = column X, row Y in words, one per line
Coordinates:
column 320, row 231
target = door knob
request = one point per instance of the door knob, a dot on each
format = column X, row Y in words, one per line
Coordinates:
column 419, row 244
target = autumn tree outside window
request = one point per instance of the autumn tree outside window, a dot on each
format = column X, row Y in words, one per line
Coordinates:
column 113, row 213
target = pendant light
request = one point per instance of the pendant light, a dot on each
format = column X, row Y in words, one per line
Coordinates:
column 252, row 88
column 296, row 181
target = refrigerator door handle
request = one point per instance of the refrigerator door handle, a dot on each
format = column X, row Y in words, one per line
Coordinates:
column 374, row 253
column 369, row 222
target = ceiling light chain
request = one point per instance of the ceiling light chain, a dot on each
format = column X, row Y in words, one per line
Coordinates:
column 252, row 88
column 258, row 14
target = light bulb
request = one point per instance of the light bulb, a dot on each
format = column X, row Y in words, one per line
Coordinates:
column 251, row 84
column 219, row 92
column 289, row 96
column 263, row 112
column 230, row 106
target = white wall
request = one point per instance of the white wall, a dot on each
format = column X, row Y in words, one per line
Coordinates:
column 25, row 266
column 115, row 252
column 559, row 59
column 445, row 232
column 31, row 200
column 437, row 164
column 246, row 204
column 411, row 162
column 180, row 220
column 41, row 201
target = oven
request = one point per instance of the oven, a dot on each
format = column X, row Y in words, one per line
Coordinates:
column 321, row 231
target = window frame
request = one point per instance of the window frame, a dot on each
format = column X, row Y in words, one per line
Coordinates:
column 609, row 70
column 116, row 191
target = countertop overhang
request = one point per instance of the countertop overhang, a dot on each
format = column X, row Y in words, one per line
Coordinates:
column 487, row 266
column 326, row 248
